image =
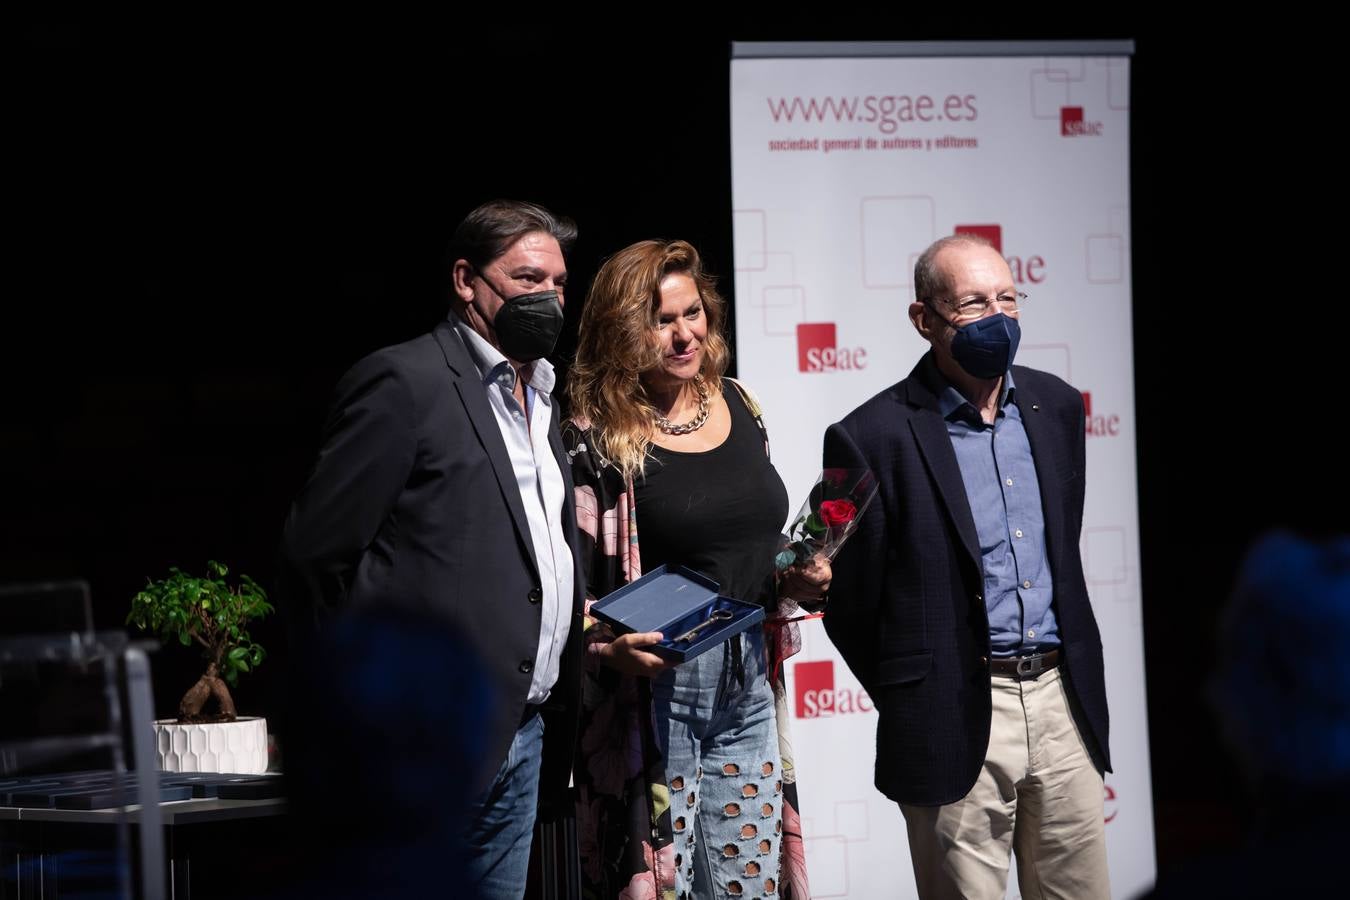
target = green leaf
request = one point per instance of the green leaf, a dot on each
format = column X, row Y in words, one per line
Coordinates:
column 210, row 610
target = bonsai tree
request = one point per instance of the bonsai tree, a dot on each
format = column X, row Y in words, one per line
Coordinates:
column 213, row 614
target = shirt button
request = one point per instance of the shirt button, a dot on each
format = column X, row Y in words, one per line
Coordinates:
column 526, row 666
column 1031, row 632
column 536, row 595
column 1017, row 533
column 1026, row 584
column 1009, row 482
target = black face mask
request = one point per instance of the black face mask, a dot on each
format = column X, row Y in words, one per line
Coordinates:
column 527, row 325
column 986, row 347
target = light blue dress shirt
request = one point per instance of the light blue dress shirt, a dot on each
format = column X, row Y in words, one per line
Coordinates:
column 1005, row 501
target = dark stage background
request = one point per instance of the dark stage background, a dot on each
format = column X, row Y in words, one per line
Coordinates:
column 213, row 218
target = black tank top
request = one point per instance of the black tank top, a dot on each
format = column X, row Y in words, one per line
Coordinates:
column 718, row 512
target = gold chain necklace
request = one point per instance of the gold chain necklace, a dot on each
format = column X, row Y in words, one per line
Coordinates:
column 697, row 421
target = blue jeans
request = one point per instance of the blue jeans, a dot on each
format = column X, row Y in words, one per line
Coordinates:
column 502, row 825
column 715, row 722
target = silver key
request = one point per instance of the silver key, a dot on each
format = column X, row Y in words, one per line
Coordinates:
column 718, row 615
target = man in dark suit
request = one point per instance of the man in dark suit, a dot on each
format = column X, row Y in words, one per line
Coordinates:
column 961, row 604
column 442, row 489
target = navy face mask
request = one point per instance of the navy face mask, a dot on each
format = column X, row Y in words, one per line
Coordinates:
column 527, row 325
column 985, row 348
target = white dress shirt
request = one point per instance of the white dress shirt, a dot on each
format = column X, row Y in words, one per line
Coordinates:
column 540, row 481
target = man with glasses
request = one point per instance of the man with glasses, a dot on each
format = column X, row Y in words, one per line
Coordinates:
column 961, row 604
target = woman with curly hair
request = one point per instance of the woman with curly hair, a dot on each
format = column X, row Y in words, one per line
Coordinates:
column 682, row 787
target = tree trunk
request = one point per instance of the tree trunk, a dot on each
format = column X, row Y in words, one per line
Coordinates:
column 208, row 686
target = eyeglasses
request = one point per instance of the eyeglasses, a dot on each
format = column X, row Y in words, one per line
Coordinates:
column 977, row 307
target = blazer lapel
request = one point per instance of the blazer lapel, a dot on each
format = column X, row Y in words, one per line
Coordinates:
column 1047, row 452
column 469, row 386
column 930, row 431
column 569, row 509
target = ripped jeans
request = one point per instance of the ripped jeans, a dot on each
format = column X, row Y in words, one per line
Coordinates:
column 715, row 723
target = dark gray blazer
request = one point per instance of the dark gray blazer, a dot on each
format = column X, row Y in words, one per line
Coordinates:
column 906, row 605
column 413, row 505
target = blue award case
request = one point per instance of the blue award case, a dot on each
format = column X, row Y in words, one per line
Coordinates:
column 672, row 600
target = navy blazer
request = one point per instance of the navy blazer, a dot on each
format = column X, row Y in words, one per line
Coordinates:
column 907, row 606
column 413, row 504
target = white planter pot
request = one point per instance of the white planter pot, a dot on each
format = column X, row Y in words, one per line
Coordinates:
column 238, row 746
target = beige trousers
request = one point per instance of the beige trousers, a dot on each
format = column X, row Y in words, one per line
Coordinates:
column 1038, row 794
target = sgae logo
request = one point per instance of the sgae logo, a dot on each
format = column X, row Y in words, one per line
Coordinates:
column 818, row 698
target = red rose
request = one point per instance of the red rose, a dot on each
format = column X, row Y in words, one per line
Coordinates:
column 837, row 512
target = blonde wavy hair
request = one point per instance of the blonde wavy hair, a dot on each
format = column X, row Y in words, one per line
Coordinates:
column 617, row 343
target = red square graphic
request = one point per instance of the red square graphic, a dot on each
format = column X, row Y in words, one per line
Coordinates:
column 813, row 336
column 1087, row 403
column 1070, row 120
column 814, row 678
column 991, row 233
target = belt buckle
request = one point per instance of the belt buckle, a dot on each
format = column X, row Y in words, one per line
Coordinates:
column 1029, row 666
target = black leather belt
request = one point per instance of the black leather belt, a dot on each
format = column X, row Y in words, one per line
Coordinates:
column 1023, row 668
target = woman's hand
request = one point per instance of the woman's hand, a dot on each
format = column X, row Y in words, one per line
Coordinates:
column 626, row 652
column 806, row 583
